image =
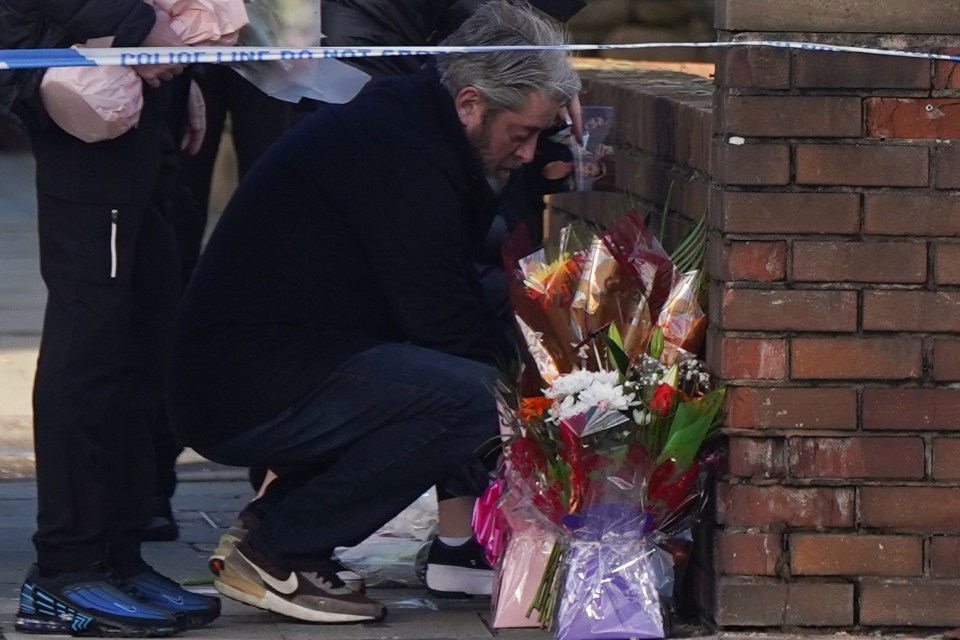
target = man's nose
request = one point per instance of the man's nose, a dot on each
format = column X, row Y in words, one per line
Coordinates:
column 526, row 150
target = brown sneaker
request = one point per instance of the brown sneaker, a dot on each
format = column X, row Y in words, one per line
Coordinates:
column 351, row 579
column 246, row 522
column 314, row 596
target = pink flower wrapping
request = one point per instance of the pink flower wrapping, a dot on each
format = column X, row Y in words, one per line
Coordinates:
column 518, row 577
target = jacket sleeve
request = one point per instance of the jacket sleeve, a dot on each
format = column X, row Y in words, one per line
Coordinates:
column 129, row 21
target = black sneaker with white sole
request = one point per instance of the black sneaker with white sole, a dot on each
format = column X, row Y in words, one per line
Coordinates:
column 458, row 572
column 319, row 595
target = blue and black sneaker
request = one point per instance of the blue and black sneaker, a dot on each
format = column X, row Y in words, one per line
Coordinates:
column 86, row 603
column 148, row 585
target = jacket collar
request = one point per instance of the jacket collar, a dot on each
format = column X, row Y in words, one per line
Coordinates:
column 475, row 181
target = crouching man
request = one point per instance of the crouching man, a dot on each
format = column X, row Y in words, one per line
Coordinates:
column 334, row 329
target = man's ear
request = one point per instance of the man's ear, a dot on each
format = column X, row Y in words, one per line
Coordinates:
column 469, row 104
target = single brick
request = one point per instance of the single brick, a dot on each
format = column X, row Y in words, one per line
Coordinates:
column 842, row 70
column 887, row 262
column 790, row 116
column 792, row 408
column 911, row 409
column 862, row 165
column 946, row 165
column 748, row 358
column 946, row 360
column 929, row 509
column 787, row 310
column 855, row 358
column 751, row 164
column 856, row 457
column 933, row 311
column 825, row 554
column 744, row 505
column 918, row 602
column 945, row 557
column 945, row 72
column 913, row 118
column 755, row 457
column 751, row 261
column 753, row 68
column 779, row 213
column 912, row 214
column 946, row 458
column 946, row 263
column 745, row 602
column 747, row 554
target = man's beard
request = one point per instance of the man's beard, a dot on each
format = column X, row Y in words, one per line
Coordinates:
column 497, row 179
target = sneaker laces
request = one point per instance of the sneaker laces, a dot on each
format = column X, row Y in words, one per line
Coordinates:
column 328, row 575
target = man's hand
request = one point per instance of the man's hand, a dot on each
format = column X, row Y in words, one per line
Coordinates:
column 160, row 36
column 196, row 125
column 573, row 115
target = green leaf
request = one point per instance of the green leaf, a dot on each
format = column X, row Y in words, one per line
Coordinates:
column 615, row 350
column 691, row 423
column 688, row 254
column 656, row 343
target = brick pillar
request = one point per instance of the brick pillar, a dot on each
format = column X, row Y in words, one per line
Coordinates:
column 836, row 311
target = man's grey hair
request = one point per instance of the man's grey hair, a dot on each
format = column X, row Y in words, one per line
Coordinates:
column 506, row 79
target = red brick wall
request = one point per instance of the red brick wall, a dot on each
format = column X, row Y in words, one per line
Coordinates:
column 835, row 314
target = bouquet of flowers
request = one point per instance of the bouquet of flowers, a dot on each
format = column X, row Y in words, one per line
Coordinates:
column 607, row 459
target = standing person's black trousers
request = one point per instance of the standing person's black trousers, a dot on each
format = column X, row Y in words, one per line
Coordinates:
column 109, row 260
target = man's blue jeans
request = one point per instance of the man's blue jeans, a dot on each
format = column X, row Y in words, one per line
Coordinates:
column 387, row 425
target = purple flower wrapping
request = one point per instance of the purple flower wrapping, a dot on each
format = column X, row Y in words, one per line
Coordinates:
column 609, row 591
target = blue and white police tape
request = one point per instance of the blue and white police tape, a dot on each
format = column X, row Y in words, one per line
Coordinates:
column 83, row 57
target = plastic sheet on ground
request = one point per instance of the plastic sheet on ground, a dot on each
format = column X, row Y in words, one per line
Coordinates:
column 395, row 554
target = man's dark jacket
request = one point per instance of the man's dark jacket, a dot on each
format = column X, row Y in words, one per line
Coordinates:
column 46, row 24
column 354, row 229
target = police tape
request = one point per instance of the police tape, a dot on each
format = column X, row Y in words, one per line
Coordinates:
column 84, row 57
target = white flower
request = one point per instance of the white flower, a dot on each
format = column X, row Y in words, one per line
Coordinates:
column 573, row 383
column 607, row 396
column 581, row 391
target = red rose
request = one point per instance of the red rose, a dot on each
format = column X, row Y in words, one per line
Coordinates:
column 662, row 401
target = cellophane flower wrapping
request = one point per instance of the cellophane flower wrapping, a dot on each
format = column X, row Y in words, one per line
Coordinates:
column 611, row 587
column 608, row 457
column 516, row 544
column 520, row 569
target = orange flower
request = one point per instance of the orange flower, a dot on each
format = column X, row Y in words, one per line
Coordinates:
column 532, row 408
